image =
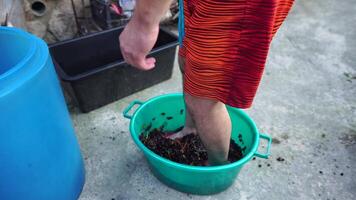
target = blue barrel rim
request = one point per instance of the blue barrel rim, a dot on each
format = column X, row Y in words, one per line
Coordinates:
column 27, row 67
column 29, row 54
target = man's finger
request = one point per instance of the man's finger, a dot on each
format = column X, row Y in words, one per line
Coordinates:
column 150, row 62
column 139, row 61
column 147, row 64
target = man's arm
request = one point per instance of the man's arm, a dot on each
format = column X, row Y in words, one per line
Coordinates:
column 140, row 34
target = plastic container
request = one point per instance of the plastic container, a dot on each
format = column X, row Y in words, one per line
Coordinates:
column 186, row 178
column 40, row 157
column 96, row 74
column 104, row 17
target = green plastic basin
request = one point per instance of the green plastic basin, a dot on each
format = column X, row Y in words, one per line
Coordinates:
column 168, row 111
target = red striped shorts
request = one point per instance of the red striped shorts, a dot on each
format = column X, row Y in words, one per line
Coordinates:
column 226, row 45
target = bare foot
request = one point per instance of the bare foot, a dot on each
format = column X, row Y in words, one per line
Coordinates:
column 185, row 131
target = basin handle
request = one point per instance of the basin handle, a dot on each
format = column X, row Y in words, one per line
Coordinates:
column 268, row 152
column 129, row 107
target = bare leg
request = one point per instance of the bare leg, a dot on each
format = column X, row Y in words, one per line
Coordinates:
column 213, row 125
column 189, row 127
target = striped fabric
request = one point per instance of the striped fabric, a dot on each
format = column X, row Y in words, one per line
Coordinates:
column 226, row 45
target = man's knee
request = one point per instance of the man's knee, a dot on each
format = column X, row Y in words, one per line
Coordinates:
column 199, row 107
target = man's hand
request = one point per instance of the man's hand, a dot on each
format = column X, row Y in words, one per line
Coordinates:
column 140, row 34
column 136, row 41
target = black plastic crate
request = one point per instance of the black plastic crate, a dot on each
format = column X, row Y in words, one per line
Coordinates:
column 96, row 73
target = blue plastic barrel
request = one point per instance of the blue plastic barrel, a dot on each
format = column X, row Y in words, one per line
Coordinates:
column 40, row 157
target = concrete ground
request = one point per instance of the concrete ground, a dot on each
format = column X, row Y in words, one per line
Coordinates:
column 306, row 101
